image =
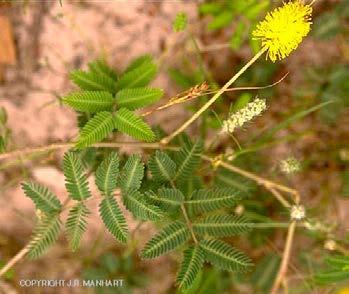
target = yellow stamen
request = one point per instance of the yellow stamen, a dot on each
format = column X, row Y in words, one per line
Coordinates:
column 283, row 29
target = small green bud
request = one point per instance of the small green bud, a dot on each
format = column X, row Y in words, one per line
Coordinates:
column 180, row 22
column 3, row 116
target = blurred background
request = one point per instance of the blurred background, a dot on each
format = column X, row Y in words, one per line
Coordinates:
column 307, row 120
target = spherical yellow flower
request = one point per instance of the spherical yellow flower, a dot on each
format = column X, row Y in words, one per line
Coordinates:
column 283, row 29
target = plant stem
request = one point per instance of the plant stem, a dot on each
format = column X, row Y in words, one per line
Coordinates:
column 26, row 151
column 23, row 252
column 285, row 258
column 186, row 217
column 272, row 225
column 269, row 185
column 280, row 198
column 189, row 224
column 132, row 244
column 167, row 139
column 20, row 255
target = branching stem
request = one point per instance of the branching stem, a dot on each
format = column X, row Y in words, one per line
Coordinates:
column 186, row 217
column 285, row 258
column 273, row 187
column 20, row 255
column 189, row 224
column 269, row 185
column 23, row 252
column 167, row 139
column 23, row 152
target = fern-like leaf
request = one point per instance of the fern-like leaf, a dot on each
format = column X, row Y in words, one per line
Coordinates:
column 76, row 224
column 338, row 261
column 106, row 174
column 138, row 76
column 129, row 123
column 96, row 129
column 113, row 218
column 137, row 203
column 132, row 174
column 75, row 178
column 189, row 185
column 208, row 200
column 193, row 260
column 222, row 225
column 138, row 61
column 136, row 98
column 167, row 198
column 168, row 239
column 162, row 167
column 225, row 178
column 45, row 235
column 91, row 81
column 42, row 197
column 89, row 101
column 222, row 255
column 187, row 159
column 100, row 67
column 333, row 277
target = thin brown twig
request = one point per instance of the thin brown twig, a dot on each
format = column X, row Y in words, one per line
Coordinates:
column 189, row 224
column 197, row 114
column 23, row 252
column 280, row 198
column 285, row 258
column 285, row 286
column 56, row 146
column 269, row 185
column 186, row 217
column 200, row 90
column 19, row 256
column 252, row 88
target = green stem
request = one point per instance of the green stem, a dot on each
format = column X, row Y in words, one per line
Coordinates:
column 189, row 224
column 167, row 139
column 186, row 217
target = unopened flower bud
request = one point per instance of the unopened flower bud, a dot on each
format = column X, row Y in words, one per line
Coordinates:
column 297, row 212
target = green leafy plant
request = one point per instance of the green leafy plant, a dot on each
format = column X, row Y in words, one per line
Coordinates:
column 205, row 196
column 332, row 22
column 189, row 224
column 331, row 86
column 110, row 265
column 106, row 101
column 338, row 270
column 242, row 15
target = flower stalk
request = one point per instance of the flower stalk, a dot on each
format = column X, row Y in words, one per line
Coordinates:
column 167, row 139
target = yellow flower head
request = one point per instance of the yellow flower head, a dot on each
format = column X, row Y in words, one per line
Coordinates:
column 283, row 29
